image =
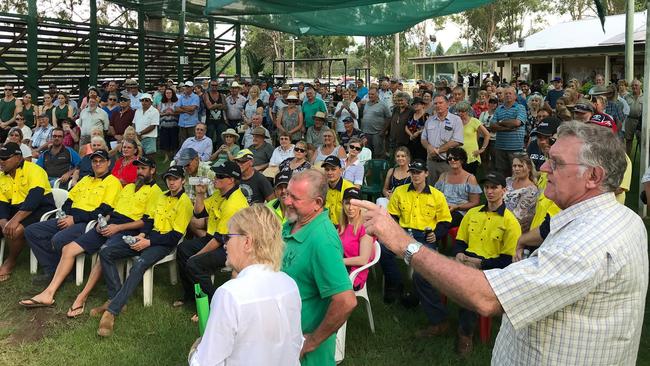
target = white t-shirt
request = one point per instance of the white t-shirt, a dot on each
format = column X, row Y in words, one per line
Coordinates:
column 142, row 120
column 344, row 113
column 27, row 132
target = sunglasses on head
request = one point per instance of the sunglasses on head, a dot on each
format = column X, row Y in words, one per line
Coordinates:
column 297, row 149
column 358, row 148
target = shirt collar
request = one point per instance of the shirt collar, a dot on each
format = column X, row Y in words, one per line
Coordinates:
column 500, row 210
column 103, row 176
column 601, row 202
column 231, row 191
column 426, row 189
column 169, row 193
column 339, row 184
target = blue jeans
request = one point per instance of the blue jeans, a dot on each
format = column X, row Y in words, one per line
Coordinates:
column 392, row 274
column 466, row 321
column 46, row 241
column 118, row 293
column 433, row 307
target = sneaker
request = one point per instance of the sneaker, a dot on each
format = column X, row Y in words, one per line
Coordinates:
column 433, row 330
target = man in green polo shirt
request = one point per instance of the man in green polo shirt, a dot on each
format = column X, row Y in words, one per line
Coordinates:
column 313, row 257
column 310, row 106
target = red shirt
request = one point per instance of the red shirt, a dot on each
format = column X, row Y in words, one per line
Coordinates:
column 127, row 173
column 121, row 120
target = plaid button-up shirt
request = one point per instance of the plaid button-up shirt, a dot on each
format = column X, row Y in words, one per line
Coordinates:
column 580, row 298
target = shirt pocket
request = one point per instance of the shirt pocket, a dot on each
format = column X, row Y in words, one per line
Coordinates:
column 498, row 234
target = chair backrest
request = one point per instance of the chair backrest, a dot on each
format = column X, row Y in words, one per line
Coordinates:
column 60, row 195
column 375, row 172
column 375, row 259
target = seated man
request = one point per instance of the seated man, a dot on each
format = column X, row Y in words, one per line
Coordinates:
column 194, row 168
column 198, row 258
column 158, row 237
column 25, row 195
column 255, row 185
column 280, row 190
column 350, row 132
column 423, row 211
column 200, row 143
column 93, row 195
column 59, row 161
column 133, row 205
column 336, row 186
column 314, row 133
column 256, row 121
column 261, row 149
column 486, row 239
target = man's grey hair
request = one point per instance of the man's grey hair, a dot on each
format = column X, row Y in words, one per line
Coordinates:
column 403, row 95
column 309, row 88
column 600, row 148
column 317, row 183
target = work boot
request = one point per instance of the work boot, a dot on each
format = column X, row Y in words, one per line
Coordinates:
column 100, row 309
column 106, row 325
column 433, row 330
column 465, row 344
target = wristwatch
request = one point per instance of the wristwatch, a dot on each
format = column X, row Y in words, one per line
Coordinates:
column 411, row 249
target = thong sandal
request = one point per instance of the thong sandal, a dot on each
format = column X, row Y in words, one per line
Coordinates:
column 79, row 310
column 35, row 304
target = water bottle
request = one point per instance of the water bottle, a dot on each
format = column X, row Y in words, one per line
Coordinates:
column 101, row 222
column 196, row 181
column 60, row 214
column 130, row 240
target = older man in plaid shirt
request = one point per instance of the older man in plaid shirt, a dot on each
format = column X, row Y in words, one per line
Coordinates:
column 579, row 299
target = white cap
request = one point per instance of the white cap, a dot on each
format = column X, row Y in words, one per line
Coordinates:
column 188, row 83
column 146, row 96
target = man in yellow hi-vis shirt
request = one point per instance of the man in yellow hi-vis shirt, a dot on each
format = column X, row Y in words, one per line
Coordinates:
column 336, row 186
column 158, row 237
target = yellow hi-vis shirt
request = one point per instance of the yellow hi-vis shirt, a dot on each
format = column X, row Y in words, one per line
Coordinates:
column 544, row 205
column 334, row 200
column 90, row 192
column 221, row 208
column 489, row 234
column 627, row 180
column 418, row 210
column 134, row 204
column 172, row 212
column 14, row 190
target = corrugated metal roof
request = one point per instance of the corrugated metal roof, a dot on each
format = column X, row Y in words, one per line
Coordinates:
column 581, row 34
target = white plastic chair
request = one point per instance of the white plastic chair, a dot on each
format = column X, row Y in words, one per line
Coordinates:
column 363, row 293
column 147, row 278
column 57, row 184
column 80, row 260
column 60, row 196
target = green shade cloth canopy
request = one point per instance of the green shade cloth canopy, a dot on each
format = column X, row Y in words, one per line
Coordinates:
column 336, row 17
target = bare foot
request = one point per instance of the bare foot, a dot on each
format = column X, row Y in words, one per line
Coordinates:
column 195, row 318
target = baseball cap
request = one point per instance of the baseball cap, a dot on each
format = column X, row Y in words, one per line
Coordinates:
column 348, row 119
column 144, row 161
column 419, row 165
column 557, row 78
column 235, row 85
column 320, row 115
column 188, row 83
column 186, row 155
column 9, row 149
column 417, row 100
column 494, row 177
column 282, row 178
column 228, row 168
column 146, row 96
column 244, row 154
column 174, row 171
column 100, row 153
column 602, row 120
column 259, row 131
column 599, row 90
column 547, row 127
column 583, row 108
column 332, row 160
column 352, row 192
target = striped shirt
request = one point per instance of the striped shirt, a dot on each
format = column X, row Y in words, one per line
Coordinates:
column 580, row 298
column 511, row 140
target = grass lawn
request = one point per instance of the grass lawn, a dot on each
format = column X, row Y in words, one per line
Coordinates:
column 162, row 335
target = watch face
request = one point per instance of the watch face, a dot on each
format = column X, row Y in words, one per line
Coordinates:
column 412, row 247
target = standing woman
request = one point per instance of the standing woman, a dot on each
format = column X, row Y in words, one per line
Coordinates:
column 48, row 106
column 357, row 245
column 521, row 191
column 397, row 175
column 346, row 108
column 254, row 105
column 459, row 187
column 124, row 170
column 28, row 109
column 290, row 118
column 414, row 128
column 63, row 111
column 91, row 93
column 535, row 104
column 472, row 128
column 168, row 123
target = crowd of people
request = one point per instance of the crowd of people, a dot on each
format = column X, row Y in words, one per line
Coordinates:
column 267, row 182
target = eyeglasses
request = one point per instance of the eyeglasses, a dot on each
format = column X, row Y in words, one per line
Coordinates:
column 97, row 162
column 297, row 149
column 19, row 119
column 555, row 165
column 284, row 138
column 57, row 136
column 112, row 98
column 358, row 148
column 221, row 176
column 227, row 237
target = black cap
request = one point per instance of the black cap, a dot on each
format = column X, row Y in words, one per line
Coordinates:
column 228, row 168
column 352, row 192
column 419, row 165
column 494, row 177
column 9, row 149
column 583, row 108
column 144, row 161
column 100, row 153
column 122, row 98
column 332, row 160
column 547, row 127
column 174, row 171
column 282, row 178
column 348, row 119
column 417, row 100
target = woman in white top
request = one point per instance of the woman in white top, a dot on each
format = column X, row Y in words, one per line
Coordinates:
column 353, row 169
column 255, row 317
column 345, row 108
column 16, row 136
column 282, row 152
column 329, row 147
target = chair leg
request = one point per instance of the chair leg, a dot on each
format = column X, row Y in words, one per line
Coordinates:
column 173, row 273
column 147, row 287
column 79, row 265
column 485, row 328
column 33, row 263
column 2, row 250
column 93, row 259
column 339, row 354
column 371, row 320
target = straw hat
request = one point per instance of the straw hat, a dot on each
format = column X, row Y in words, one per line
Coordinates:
column 231, row 132
column 292, row 96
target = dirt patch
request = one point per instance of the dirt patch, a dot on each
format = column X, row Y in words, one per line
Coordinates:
column 32, row 328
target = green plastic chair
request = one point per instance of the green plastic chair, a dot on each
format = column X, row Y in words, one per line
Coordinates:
column 375, row 174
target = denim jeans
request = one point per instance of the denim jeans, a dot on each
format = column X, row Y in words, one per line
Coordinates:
column 194, row 268
column 432, row 305
column 118, row 293
column 46, row 241
column 466, row 321
column 392, row 274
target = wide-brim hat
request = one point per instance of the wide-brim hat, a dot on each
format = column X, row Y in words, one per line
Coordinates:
column 230, row 132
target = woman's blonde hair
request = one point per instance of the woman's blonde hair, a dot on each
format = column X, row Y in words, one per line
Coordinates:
column 100, row 140
column 263, row 227
column 97, row 131
column 254, row 90
column 131, row 129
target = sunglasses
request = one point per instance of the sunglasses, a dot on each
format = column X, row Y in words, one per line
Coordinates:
column 358, row 148
column 221, row 176
column 112, row 98
column 19, row 119
column 297, row 149
column 453, row 158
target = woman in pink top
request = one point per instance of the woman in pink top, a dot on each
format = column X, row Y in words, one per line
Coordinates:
column 357, row 245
